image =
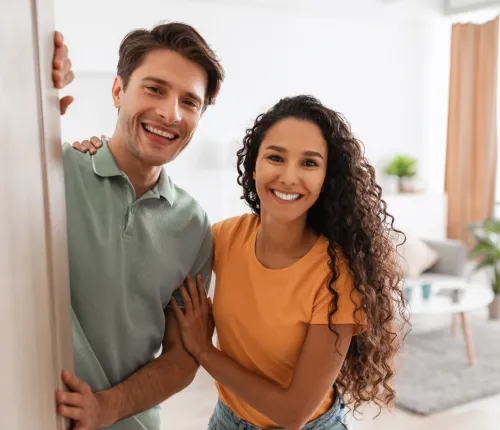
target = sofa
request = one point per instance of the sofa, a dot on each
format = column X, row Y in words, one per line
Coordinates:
column 428, row 261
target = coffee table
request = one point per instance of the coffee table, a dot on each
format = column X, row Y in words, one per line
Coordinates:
column 473, row 296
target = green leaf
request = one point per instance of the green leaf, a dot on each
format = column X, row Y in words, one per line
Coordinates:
column 402, row 166
column 491, row 225
column 485, row 247
column 486, row 262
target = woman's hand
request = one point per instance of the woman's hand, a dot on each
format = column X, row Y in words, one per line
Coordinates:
column 91, row 145
column 196, row 319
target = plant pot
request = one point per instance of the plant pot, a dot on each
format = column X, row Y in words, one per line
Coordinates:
column 494, row 308
column 405, row 185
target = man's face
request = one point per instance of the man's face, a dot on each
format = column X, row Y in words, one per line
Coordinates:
column 161, row 106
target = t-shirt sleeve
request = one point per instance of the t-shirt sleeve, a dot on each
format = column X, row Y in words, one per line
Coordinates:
column 349, row 300
column 216, row 237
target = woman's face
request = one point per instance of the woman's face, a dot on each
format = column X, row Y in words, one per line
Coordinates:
column 290, row 169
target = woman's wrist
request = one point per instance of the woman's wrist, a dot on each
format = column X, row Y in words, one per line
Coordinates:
column 205, row 356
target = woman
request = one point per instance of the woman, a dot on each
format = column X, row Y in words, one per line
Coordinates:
column 307, row 293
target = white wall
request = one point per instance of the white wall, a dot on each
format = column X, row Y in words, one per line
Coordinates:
column 454, row 6
column 384, row 65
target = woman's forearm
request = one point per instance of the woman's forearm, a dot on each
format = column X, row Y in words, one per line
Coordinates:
column 259, row 392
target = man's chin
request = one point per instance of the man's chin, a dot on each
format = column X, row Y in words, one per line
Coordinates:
column 158, row 160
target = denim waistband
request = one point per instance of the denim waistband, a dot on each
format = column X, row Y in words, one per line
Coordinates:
column 224, row 418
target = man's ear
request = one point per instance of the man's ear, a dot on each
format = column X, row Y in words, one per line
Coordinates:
column 117, row 91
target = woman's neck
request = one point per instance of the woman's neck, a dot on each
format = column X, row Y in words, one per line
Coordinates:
column 280, row 244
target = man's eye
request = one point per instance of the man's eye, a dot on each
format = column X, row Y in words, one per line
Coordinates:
column 154, row 90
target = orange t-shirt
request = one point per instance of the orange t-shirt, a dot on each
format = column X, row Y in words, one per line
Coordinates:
column 262, row 315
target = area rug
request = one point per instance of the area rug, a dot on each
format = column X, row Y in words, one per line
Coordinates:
column 434, row 374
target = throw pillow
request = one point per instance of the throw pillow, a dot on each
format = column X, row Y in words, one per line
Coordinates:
column 415, row 256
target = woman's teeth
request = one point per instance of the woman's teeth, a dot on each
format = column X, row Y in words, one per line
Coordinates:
column 284, row 196
column 161, row 133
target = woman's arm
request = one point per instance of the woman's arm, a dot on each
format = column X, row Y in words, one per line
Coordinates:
column 317, row 368
column 316, row 371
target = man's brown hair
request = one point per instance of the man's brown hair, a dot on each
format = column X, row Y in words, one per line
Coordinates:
column 178, row 37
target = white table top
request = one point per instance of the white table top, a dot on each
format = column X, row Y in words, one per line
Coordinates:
column 475, row 296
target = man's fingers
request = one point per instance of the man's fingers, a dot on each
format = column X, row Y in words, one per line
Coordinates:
column 68, row 78
column 64, row 103
column 70, row 412
column 58, row 39
column 60, row 57
column 57, row 78
column 75, row 384
column 69, row 399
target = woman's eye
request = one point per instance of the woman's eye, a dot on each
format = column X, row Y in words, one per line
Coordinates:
column 275, row 158
column 190, row 103
column 310, row 163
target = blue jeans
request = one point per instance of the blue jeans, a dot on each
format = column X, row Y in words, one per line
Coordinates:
column 224, row 418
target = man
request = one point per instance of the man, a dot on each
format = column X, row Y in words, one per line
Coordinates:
column 133, row 235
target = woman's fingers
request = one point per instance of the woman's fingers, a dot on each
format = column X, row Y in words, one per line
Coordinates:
column 193, row 293
column 202, row 294
column 177, row 310
column 79, row 147
column 188, row 303
column 96, row 142
column 91, row 145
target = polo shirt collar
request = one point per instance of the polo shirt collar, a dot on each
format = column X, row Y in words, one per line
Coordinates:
column 165, row 187
column 103, row 162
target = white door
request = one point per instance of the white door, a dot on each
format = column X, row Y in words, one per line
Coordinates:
column 35, row 320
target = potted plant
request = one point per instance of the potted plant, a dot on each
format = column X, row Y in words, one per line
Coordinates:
column 404, row 168
column 487, row 253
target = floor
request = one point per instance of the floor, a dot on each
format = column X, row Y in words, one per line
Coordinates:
column 191, row 409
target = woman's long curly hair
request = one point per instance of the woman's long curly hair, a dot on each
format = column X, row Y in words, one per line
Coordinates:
column 351, row 214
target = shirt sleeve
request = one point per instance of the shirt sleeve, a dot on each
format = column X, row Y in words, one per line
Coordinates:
column 203, row 263
column 349, row 300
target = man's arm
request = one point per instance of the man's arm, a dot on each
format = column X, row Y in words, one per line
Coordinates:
column 170, row 373
column 165, row 376
column 160, row 379
column 147, row 387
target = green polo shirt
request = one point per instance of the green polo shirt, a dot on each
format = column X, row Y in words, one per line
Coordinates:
column 126, row 258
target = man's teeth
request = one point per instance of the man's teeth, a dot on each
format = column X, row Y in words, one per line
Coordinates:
column 159, row 132
column 284, row 196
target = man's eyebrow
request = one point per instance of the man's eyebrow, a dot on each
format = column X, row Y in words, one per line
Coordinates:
column 164, row 83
